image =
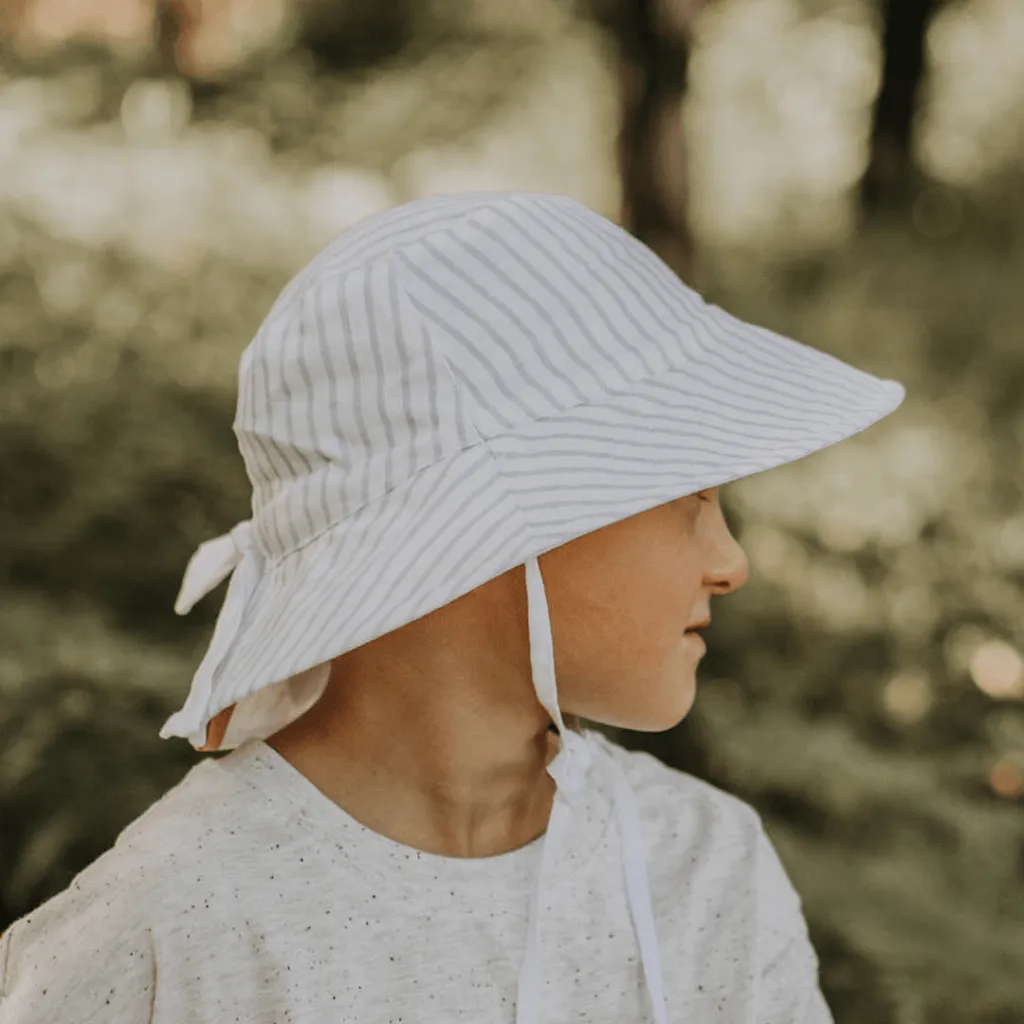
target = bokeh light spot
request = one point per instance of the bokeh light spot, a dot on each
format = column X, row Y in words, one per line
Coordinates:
column 998, row 670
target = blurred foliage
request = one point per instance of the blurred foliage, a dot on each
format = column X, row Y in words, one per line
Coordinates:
column 863, row 691
column 81, row 759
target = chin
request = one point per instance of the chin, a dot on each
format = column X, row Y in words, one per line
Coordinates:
column 660, row 703
column 668, row 722
column 672, row 711
column 660, row 719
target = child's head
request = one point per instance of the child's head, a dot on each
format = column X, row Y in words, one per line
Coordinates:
column 453, row 394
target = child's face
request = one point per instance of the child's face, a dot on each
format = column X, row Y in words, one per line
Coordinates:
column 621, row 599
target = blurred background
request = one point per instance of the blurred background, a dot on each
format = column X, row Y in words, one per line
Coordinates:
column 847, row 172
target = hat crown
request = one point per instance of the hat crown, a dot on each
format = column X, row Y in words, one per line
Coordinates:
column 437, row 325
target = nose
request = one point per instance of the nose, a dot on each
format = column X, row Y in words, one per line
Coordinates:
column 730, row 567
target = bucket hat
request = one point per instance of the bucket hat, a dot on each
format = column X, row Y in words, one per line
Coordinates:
column 450, row 389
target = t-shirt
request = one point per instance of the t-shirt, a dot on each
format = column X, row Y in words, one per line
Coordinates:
column 244, row 894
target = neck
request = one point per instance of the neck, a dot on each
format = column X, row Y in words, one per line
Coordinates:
column 458, row 821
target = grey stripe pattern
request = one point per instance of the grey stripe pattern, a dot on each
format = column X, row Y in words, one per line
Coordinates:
column 467, row 381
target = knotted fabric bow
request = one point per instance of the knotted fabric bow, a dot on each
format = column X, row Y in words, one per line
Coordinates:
column 232, row 554
column 212, row 562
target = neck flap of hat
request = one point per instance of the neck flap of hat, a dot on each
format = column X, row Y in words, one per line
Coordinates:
column 570, row 769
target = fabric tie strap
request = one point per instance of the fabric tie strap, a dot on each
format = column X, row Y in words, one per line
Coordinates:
column 235, row 555
column 212, row 562
column 570, row 769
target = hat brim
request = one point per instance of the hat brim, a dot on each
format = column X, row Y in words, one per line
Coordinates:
column 750, row 401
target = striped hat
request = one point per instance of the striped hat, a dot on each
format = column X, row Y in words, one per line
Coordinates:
column 449, row 390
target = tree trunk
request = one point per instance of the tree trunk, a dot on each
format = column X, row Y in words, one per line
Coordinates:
column 892, row 173
column 653, row 40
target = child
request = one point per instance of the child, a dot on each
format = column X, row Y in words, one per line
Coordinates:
column 454, row 395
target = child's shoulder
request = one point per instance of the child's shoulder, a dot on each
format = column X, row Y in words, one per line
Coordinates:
column 93, row 933
column 129, row 882
column 670, row 798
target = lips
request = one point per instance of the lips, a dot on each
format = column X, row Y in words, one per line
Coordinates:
column 698, row 625
column 692, row 634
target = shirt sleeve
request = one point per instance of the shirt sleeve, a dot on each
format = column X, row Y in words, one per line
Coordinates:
column 789, row 989
column 77, row 958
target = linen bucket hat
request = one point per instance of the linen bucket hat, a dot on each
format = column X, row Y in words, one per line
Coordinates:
column 449, row 390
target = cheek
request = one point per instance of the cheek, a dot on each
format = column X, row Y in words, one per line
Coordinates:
column 661, row 646
column 630, row 623
column 672, row 593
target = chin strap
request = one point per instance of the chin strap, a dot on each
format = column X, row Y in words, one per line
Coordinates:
column 570, row 770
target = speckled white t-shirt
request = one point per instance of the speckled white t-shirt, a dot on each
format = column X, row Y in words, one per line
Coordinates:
column 246, row 895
